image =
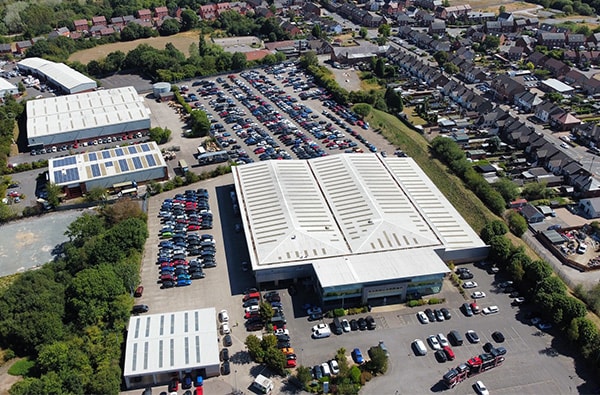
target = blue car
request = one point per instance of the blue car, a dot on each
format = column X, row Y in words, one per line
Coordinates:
column 183, row 283
column 357, row 356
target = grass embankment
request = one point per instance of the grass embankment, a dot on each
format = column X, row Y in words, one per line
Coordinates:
column 415, row 145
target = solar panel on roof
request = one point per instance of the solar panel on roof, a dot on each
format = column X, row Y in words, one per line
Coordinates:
column 119, row 152
column 109, row 164
column 132, row 149
column 150, row 159
column 145, row 147
column 137, row 162
column 92, row 156
column 95, row 170
column 70, row 160
column 106, row 154
column 66, row 175
column 123, row 164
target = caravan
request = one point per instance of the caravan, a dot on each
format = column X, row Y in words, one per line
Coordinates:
column 263, row 384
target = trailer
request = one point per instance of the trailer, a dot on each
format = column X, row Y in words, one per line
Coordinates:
column 472, row 367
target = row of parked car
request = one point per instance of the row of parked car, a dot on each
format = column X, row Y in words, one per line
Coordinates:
column 339, row 327
column 440, row 344
column 179, row 240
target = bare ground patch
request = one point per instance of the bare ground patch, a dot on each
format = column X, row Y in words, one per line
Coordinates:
column 181, row 41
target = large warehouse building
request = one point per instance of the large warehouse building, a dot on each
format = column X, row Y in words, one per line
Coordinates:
column 77, row 174
column 57, row 75
column 162, row 345
column 360, row 228
column 6, row 88
column 85, row 117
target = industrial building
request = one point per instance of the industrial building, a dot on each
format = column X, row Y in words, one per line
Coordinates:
column 162, row 345
column 77, row 174
column 360, row 228
column 85, row 117
column 57, row 75
column 7, row 88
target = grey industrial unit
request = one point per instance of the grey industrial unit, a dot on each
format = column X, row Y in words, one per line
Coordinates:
column 358, row 228
column 58, row 75
column 162, row 345
column 86, row 116
column 77, row 174
column 159, row 88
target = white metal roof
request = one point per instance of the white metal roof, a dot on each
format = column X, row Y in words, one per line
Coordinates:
column 59, row 72
column 355, row 216
column 105, row 163
column 61, row 114
column 174, row 341
column 6, row 85
column 557, row 85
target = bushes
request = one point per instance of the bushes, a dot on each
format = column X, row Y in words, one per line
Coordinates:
column 423, row 302
column 339, row 312
column 516, row 223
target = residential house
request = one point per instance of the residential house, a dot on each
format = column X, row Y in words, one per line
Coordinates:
column 527, row 43
column 594, row 40
column 507, row 26
column 405, row 20
column 504, row 88
column 515, row 53
column 5, row 48
column 290, row 28
column 260, row 11
column 547, row 109
column 532, row 22
column 588, row 132
column 222, row 7
column 117, row 22
column 556, row 67
column 23, row 46
column 576, row 41
column 80, row 25
column 575, row 78
column 480, row 17
column 61, row 31
column 506, row 17
column 311, row 9
column 99, row 20
column 527, row 100
column 564, row 121
column 458, row 10
column 493, row 27
column 531, row 214
column 255, row 3
column 474, row 75
column 552, row 40
column 144, row 15
column 591, row 207
column 570, row 55
column 437, row 27
column 373, row 20
column 589, row 57
column 538, row 59
column 520, row 25
column 161, row 12
column 107, row 31
column 591, row 86
column 127, row 19
column 428, row 4
column 390, row 8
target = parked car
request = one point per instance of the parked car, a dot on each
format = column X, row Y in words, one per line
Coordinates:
column 223, row 316
column 466, row 308
column 357, row 356
column 138, row 291
column 490, row 310
column 362, row 324
column 422, row 317
column 345, row 326
column 498, row 337
column 472, row 336
column 478, row 295
column 481, row 388
column 140, row 308
column 225, row 328
column 442, row 339
column 335, row 368
column 371, row 324
column 227, row 341
column 469, row 284
column 440, row 355
column 434, row 343
column 446, row 313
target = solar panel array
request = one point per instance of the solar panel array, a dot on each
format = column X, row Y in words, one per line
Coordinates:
column 66, row 175
column 69, row 160
column 95, row 170
column 123, row 165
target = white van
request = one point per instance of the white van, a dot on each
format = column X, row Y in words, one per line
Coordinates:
column 419, row 347
column 325, row 369
column 263, row 384
column 322, row 333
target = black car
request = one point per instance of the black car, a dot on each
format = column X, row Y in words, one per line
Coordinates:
column 140, row 308
column 461, row 270
column 283, row 338
column 371, row 324
column 168, row 284
column 498, row 337
column 226, row 369
column 430, row 315
column 272, row 296
column 466, row 276
column 353, row 325
column 440, row 355
column 438, row 315
column 196, row 275
column 317, row 373
column 187, row 382
column 284, row 344
column 225, row 354
column 173, row 385
column 315, row 317
column 362, row 324
column 467, row 310
column 254, row 326
column 227, row 341
column 251, row 302
column 446, row 313
column 488, row 347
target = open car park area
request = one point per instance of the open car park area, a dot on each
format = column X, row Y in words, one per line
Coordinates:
column 527, row 347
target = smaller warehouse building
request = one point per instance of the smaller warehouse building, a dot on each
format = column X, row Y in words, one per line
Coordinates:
column 59, row 75
column 160, row 346
column 554, row 85
column 85, row 117
column 77, row 174
column 7, row 88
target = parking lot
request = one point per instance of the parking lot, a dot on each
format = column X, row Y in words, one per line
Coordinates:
column 549, row 366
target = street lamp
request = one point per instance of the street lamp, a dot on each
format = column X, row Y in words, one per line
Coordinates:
column 235, row 376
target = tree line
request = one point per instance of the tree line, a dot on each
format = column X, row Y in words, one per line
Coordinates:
column 536, row 281
column 70, row 315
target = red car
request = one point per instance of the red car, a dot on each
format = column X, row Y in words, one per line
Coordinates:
column 252, row 314
column 138, row 291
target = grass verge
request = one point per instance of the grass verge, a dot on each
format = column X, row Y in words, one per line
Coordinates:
column 21, row 367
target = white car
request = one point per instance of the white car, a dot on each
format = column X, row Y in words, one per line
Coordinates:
column 345, row 326
column 281, row 331
column 481, row 388
column 422, row 317
column 252, row 309
column 442, row 339
column 223, row 316
column 478, row 295
column 319, row 327
column 490, row 310
column 225, row 330
column 335, row 368
column 469, row 284
column 434, row 343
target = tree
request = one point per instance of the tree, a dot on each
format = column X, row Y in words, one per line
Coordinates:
column 451, row 68
column 550, row 285
column 316, row 31
column 54, row 192
column 380, row 67
column 275, row 360
column 491, row 43
column 501, row 9
column 159, row 135
column 169, row 27
column 500, row 249
column 536, row 271
column 516, row 223
column 238, row 61
column 378, row 363
column 200, row 123
column 554, row 97
column 309, row 59
column 363, row 32
column 385, row 30
column 266, row 311
column 95, row 194
column 254, row 348
column 362, row 109
column 508, row 189
column 303, row 375
column 536, row 190
column 189, row 20
column 441, row 57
